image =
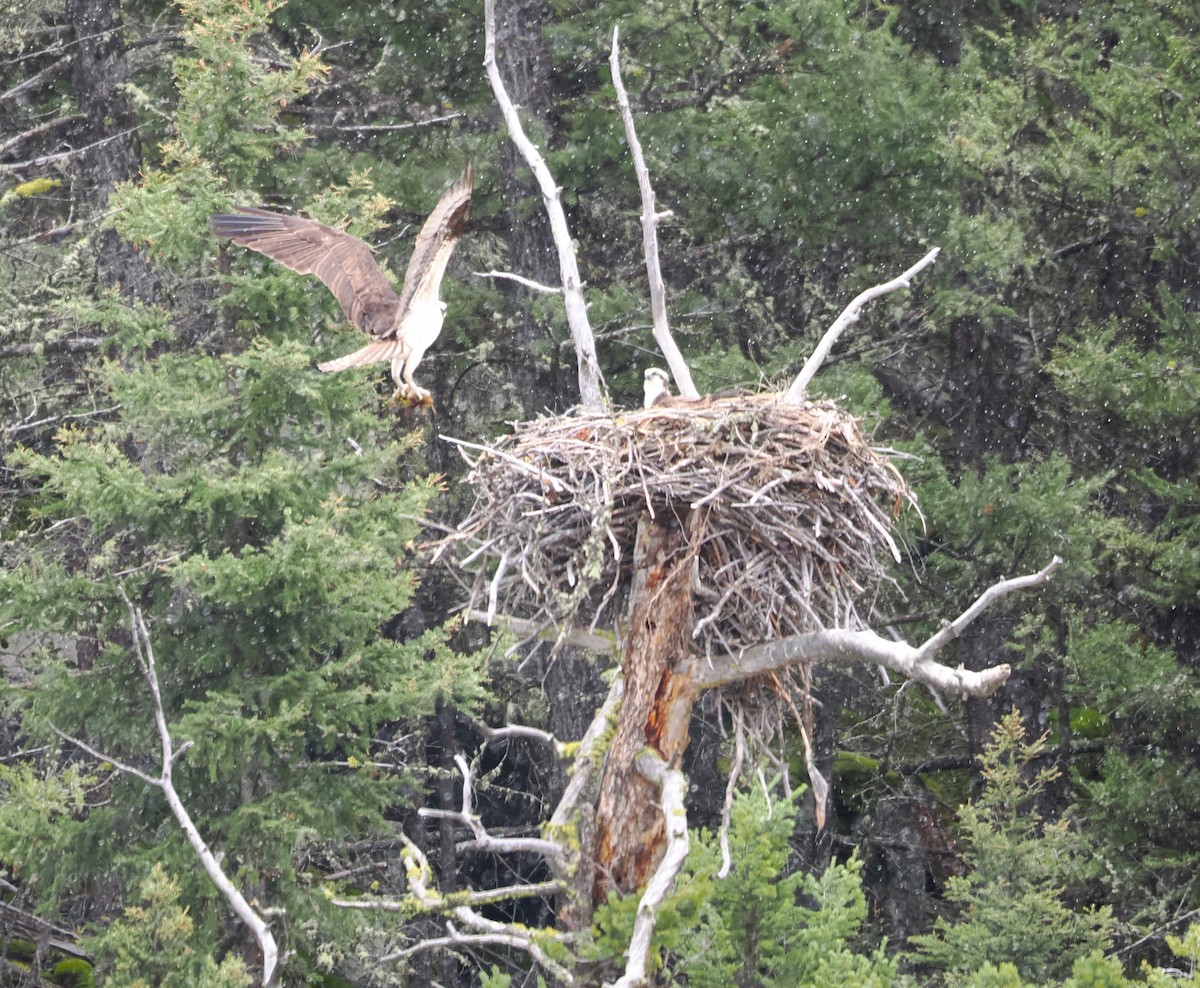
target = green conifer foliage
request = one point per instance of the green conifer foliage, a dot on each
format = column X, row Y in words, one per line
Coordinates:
column 250, row 507
column 764, row 924
column 1009, row 910
column 150, row 945
column 788, row 139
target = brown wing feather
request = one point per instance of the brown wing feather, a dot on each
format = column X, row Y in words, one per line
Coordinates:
column 343, row 262
column 436, row 241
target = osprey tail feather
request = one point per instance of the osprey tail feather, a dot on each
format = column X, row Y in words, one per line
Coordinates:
column 373, row 353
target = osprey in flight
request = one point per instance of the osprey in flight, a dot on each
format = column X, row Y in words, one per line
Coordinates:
column 402, row 327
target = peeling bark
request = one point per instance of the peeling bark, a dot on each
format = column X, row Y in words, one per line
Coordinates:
column 657, row 707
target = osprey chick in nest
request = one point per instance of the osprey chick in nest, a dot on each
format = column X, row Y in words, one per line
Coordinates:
column 655, row 386
column 402, row 326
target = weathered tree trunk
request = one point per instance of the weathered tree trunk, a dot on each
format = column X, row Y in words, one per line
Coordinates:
column 657, row 706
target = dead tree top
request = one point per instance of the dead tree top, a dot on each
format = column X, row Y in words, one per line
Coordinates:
column 794, row 508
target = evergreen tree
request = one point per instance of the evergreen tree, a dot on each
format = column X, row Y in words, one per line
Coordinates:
column 1009, row 910
column 253, row 510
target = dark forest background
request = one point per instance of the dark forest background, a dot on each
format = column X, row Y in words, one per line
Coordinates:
column 165, row 435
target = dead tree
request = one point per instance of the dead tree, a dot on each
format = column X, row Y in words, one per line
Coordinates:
column 724, row 541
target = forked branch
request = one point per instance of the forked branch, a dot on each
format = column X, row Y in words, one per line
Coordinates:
column 841, row 646
column 485, row 841
column 423, row 896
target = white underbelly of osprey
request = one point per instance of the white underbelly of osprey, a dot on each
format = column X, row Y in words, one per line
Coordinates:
column 416, row 334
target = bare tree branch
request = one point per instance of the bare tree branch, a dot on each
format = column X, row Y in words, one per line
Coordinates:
column 956, row 627
column 493, row 734
column 590, row 757
column 456, row 939
column 384, row 128
column 795, row 394
column 650, row 218
column 529, row 283
column 47, row 159
column 590, row 388
column 29, row 426
column 842, row 646
column 837, row 646
column 484, row 897
column 144, row 652
column 34, row 80
column 420, row 879
column 673, row 784
column 484, row 841
column 602, row 643
column 39, row 130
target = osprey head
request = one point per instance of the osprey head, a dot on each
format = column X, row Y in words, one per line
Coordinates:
column 654, row 386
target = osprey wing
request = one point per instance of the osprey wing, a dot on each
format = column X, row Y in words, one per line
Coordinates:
column 436, row 241
column 344, row 263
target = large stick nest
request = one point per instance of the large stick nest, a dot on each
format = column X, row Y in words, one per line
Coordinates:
column 795, row 514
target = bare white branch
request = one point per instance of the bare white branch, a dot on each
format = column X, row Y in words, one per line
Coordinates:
column 591, row 391
column 841, row 646
column 386, row 128
column 536, row 286
column 500, row 939
column 456, row 939
column 485, row 897
column 484, row 841
column 106, row 759
column 144, row 651
column 735, row 773
column 795, row 394
column 673, row 785
column 493, row 734
column 650, row 218
column 46, row 159
column 956, row 627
